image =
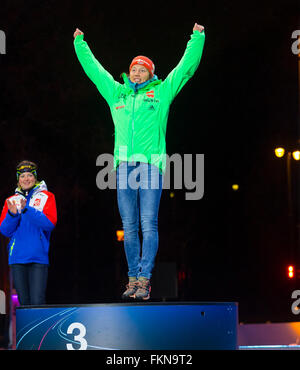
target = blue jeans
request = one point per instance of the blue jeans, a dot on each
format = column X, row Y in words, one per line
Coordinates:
column 139, row 188
column 30, row 282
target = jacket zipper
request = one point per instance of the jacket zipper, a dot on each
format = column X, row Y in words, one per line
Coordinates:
column 132, row 123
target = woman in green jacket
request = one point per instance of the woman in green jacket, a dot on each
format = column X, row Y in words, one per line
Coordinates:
column 139, row 109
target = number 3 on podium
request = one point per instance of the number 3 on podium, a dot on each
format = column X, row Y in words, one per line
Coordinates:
column 80, row 337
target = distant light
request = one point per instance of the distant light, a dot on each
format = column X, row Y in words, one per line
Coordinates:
column 120, row 235
column 279, row 152
column 296, row 155
column 15, row 300
column 291, row 272
column 172, row 194
column 181, row 275
column 235, row 187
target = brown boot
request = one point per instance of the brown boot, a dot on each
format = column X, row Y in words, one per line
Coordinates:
column 131, row 288
column 144, row 289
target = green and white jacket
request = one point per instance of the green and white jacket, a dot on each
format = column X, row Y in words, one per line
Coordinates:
column 140, row 113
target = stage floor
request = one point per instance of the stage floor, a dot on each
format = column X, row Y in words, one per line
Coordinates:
column 269, row 336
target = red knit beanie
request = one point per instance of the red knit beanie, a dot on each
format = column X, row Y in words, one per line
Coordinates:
column 140, row 59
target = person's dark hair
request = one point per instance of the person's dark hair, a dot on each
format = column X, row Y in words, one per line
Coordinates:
column 26, row 163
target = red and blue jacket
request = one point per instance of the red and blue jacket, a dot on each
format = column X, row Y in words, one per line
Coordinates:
column 29, row 230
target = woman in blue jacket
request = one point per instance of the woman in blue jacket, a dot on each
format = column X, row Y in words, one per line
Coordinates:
column 27, row 219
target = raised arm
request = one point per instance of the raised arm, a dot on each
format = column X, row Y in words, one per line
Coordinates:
column 104, row 81
column 188, row 64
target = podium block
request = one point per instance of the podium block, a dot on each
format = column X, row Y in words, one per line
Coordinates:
column 128, row 326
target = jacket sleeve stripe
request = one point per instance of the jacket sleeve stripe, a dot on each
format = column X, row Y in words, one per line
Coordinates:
column 50, row 209
column 4, row 212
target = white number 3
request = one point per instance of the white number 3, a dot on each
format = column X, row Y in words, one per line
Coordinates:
column 79, row 337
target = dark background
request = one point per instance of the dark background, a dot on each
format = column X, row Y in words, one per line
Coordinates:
column 240, row 104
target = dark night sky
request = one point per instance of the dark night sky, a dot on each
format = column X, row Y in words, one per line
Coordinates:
column 240, row 104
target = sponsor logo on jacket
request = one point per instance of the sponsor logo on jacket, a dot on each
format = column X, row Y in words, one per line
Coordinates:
column 150, row 94
column 38, row 201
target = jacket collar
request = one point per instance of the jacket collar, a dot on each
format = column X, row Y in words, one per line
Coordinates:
column 38, row 187
column 135, row 86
